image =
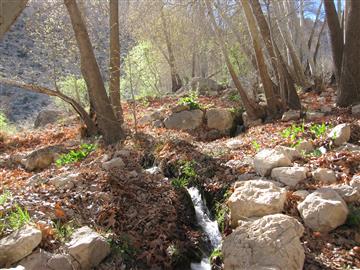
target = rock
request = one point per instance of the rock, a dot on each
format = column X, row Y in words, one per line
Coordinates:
column 355, row 109
column 19, row 244
column 323, row 210
column 289, row 152
column 290, row 176
column 122, row 153
column 234, row 144
column 348, row 147
column 64, row 181
column 42, row 158
column 146, row 119
column 153, row 116
column 248, row 123
column 305, row 146
column 47, row 117
column 314, row 115
column 114, row 163
column 324, row 175
column 19, row 267
column 290, row 115
column 60, row 262
column 255, row 198
column 185, row 120
column 158, row 114
column 340, row 134
column 37, row 261
column 268, row 159
column 153, row 170
column 220, row 119
column 88, row 247
column 301, row 193
column 351, row 192
column 204, row 86
column 158, row 124
column 271, row 242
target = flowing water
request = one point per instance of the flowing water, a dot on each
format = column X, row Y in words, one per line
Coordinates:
column 209, row 227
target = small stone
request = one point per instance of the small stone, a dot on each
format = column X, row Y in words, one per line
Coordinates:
column 19, row 244
column 305, row 146
column 289, row 152
column 66, row 181
column 290, row 115
column 114, row 163
column 267, row 159
column 324, row 175
column 234, row 144
column 340, row 134
column 122, row 153
column 323, row 210
column 88, row 247
column 301, row 193
column 314, row 115
column 355, row 109
column 290, row 176
column 158, row 124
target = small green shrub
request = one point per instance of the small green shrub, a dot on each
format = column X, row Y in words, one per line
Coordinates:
column 3, row 121
column 190, row 100
column 4, row 197
column 256, row 145
column 235, row 97
column 76, row 155
column 180, row 182
column 14, row 219
column 5, row 126
column 216, row 253
column 63, row 232
column 293, row 132
column 319, row 130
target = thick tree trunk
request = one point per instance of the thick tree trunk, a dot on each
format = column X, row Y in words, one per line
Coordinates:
column 9, row 11
column 114, row 86
column 176, row 83
column 337, row 40
column 109, row 127
column 349, row 86
column 272, row 102
column 252, row 109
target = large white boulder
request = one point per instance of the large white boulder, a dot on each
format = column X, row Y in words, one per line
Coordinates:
column 323, row 210
column 220, row 119
column 324, row 175
column 185, row 120
column 88, row 247
column 290, row 176
column 268, row 159
column 255, row 198
column 19, row 244
column 340, row 134
column 271, row 242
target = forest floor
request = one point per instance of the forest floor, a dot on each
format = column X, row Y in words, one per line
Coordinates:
column 143, row 213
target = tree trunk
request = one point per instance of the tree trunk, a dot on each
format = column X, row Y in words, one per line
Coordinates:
column 109, row 127
column 176, row 83
column 114, row 86
column 272, row 102
column 252, row 109
column 9, row 11
column 349, row 86
column 336, row 37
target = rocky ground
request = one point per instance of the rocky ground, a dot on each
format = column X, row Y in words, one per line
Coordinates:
column 298, row 180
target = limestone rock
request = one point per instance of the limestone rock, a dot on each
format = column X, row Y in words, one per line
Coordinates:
column 220, row 119
column 289, row 152
column 323, row 210
column 204, row 86
column 180, row 108
column 351, row 192
column 234, row 144
column 290, row 176
column 47, row 117
column 271, row 242
column 290, row 115
column 255, row 198
column 19, row 244
column 268, row 159
column 324, row 175
column 88, row 247
column 305, row 146
column 355, row 109
column 340, row 134
column 185, row 120
column 301, row 193
column 314, row 115
column 114, row 163
column 37, row 261
column 66, row 181
column 60, row 262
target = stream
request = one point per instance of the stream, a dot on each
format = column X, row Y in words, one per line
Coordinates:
column 208, row 226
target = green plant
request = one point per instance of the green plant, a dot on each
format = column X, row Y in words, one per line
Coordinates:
column 76, row 155
column 180, row 182
column 15, row 219
column 293, row 132
column 5, row 126
column 256, row 145
column 190, row 100
column 4, row 197
column 216, row 253
column 123, row 247
column 63, row 232
column 235, row 97
column 353, row 218
column 75, row 88
column 319, row 129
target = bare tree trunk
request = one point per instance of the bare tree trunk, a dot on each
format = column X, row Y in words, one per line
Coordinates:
column 109, row 127
column 317, row 46
column 349, row 86
column 9, row 11
column 252, row 109
column 175, row 78
column 336, row 36
column 114, row 86
column 272, row 102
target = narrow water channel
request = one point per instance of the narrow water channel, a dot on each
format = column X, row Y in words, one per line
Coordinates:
column 210, row 227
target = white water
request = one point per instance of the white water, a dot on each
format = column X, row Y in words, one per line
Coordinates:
column 209, row 227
